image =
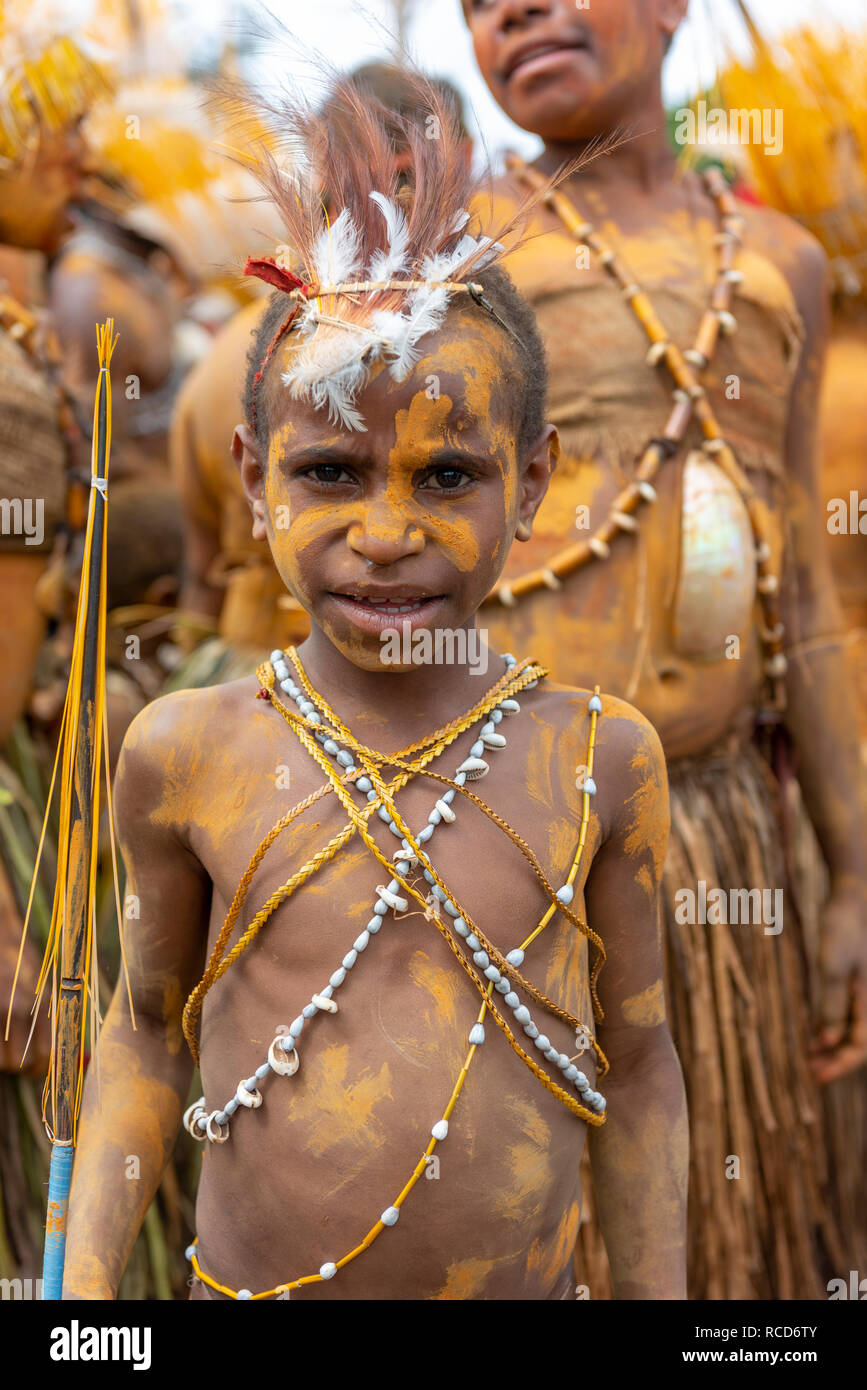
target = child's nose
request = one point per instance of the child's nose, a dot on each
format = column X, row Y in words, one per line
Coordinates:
column 385, row 534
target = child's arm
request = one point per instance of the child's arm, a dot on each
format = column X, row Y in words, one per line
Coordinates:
column 126, row 1135
column 820, row 711
column 640, row 1155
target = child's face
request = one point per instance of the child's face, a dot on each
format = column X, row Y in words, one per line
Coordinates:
column 592, row 65
column 420, row 510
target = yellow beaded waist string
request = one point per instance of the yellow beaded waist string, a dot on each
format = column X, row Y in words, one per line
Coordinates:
column 330, row 742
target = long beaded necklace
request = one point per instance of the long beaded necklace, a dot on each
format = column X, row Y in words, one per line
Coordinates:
column 316, row 723
column 690, row 397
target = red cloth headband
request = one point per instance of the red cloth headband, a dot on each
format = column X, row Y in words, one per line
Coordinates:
column 267, row 269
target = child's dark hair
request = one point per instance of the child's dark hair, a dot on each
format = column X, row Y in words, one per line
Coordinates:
column 526, row 361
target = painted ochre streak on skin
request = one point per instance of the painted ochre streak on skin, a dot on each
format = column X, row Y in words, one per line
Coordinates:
column 647, row 1008
column 443, row 1019
column 531, row 1177
column 547, row 1259
column 333, row 1112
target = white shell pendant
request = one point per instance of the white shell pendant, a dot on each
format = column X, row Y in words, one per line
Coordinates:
column 474, row 768
column 283, row 1063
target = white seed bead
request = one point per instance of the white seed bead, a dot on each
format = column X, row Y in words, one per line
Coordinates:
column 492, row 973
column 562, row 1061
column 477, row 1034
column 349, row 959
column 594, row 704
column 440, row 1129
column 512, row 1000
column 542, row 1042
column 522, row 1014
column 327, row 1271
column 338, row 977
column 310, row 1010
column 481, row 958
column 361, row 942
column 191, row 1249
column 275, row 656
column 461, row 927
column 531, row 1030
column 243, row 1295
column 566, row 894
column 392, row 900
column 589, row 786
column 296, row 1026
column 502, row 985
column 389, row 1216
column 570, row 1072
column 516, row 957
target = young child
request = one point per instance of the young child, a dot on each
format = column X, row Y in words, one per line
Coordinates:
column 386, row 890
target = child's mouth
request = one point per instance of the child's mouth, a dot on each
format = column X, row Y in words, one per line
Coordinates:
column 376, row 614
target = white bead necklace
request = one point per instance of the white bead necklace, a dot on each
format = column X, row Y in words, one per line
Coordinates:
column 283, row 1057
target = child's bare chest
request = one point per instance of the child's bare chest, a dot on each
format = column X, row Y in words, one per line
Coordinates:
column 374, row 1076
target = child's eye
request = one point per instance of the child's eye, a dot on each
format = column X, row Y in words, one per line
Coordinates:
column 328, row 473
column 447, row 479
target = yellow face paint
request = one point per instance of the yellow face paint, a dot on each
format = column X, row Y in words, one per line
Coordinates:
column 339, row 502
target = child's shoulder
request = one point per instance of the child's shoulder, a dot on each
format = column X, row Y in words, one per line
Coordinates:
column 788, row 245
column 174, row 732
column 624, row 739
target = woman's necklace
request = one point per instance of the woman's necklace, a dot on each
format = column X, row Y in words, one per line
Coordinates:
column 316, row 723
column 689, row 397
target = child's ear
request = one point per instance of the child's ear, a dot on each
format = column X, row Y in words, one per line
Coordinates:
column 247, row 454
column 535, row 477
column 670, row 14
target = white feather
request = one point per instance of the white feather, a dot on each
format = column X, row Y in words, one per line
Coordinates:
column 427, row 310
column 336, row 253
column 386, row 264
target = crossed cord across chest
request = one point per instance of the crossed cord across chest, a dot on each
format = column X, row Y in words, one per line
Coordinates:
column 352, row 767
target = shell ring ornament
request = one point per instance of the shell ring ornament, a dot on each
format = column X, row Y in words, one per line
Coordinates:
column 283, row 1063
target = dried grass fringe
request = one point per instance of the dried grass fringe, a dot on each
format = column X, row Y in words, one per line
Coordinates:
column 739, row 1011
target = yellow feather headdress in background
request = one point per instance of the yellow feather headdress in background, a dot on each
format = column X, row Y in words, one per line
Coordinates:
column 819, row 81
column 46, row 81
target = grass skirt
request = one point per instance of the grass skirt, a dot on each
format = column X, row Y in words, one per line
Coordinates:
column 739, row 1010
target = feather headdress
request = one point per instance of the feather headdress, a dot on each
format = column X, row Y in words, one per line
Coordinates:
column 46, row 81
column 375, row 249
